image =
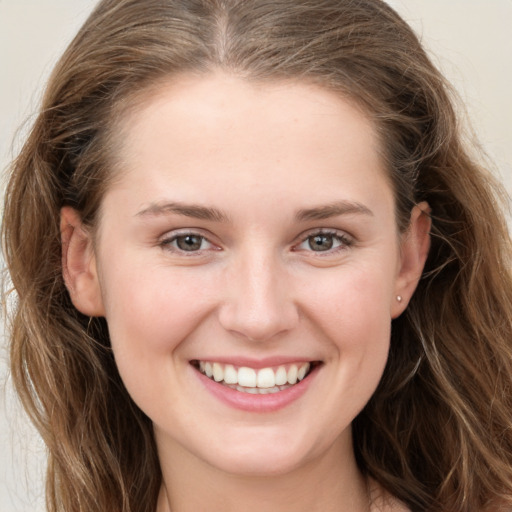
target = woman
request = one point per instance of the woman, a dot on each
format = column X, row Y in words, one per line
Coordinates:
column 255, row 266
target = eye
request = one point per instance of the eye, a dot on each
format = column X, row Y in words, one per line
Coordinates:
column 186, row 242
column 325, row 241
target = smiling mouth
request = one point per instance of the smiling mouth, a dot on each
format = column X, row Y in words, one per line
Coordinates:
column 256, row 381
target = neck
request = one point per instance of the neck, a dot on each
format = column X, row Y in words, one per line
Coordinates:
column 328, row 483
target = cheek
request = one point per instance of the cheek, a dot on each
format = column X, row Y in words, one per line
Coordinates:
column 149, row 315
column 357, row 297
column 352, row 313
column 155, row 309
column 151, row 310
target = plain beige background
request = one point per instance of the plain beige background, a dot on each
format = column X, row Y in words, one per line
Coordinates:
column 470, row 41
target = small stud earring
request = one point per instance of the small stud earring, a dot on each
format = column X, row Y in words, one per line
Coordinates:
column 399, row 298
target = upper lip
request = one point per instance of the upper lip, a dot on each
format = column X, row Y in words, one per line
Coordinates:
column 257, row 363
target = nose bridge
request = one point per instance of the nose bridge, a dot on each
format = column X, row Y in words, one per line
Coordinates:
column 259, row 304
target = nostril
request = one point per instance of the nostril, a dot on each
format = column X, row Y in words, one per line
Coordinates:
column 259, row 322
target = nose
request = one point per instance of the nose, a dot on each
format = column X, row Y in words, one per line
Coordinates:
column 259, row 301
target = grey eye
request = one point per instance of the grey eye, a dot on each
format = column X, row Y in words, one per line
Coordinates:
column 320, row 242
column 324, row 242
column 189, row 242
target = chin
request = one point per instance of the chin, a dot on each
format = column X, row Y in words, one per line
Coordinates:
column 259, row 465
column 267, row 457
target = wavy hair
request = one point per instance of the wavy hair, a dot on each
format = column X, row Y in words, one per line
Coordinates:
column 437, row 433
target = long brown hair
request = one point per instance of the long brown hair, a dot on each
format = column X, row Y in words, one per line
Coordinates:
column 437, row 433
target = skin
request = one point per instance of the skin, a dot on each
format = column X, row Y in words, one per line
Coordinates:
column 256, row 288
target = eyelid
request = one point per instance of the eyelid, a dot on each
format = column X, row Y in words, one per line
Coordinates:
column 345, row 239
column 165, row 241
column 169, row 237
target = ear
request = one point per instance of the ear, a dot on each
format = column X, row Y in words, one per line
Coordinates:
column 414, row 250
column 79, row 264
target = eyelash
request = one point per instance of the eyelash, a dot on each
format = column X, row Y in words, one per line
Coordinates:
column 340, row 241
column 170, row 243
column 344, row 241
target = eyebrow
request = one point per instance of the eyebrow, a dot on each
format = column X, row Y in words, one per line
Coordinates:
column 215, row 215
column 333, row 210
column 188, row 210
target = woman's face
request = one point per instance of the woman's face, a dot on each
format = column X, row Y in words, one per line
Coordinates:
column 251, row 234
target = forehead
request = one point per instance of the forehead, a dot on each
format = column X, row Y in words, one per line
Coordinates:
column 223, row 133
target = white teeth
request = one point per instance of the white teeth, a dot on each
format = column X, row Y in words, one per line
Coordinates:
column 266, row 378
column 261, row 391
column 292, row 374
column 247, row 377
column 218, row 372
column 230, row 374
column 281, row 376
column 249, row 380
column 267, row 391
column 302, row 371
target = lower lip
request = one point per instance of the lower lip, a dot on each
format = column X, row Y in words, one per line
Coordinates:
column 254, row 402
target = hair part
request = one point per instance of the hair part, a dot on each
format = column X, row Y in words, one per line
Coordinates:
column 437, row 432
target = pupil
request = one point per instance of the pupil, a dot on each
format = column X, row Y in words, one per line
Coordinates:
column 321, row 242
column 189, row 242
